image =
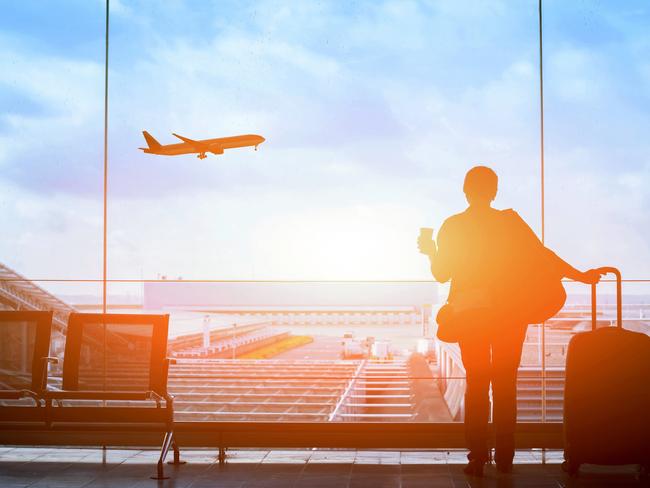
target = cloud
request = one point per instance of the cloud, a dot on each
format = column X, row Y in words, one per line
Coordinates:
column 235, row 80
column 50, row 237
column 54, row 137
column 372, row 112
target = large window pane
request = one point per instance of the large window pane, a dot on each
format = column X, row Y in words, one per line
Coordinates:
column 51, row 94
column 367, row 138
column 597, row 107
column 372, row 114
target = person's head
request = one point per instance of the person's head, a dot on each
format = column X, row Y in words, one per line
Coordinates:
column 480, row 186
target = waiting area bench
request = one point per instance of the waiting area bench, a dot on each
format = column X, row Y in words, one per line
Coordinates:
column 114, row 381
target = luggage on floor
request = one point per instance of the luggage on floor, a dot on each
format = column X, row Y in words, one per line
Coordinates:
column 607, row 394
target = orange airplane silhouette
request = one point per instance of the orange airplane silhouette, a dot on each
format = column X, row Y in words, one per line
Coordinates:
column 189, row 146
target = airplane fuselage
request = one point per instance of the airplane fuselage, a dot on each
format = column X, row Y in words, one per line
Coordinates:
column 201, row 147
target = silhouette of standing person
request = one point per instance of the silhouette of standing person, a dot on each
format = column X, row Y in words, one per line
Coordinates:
column 477, row 250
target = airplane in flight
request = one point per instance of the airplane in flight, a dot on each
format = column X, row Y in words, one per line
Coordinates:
column 189, row 146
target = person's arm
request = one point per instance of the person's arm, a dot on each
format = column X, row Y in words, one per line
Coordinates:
column 529, row 238
column 589, row 277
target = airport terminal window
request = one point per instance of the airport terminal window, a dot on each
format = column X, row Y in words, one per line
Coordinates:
column 290, row 272
column 596, row 112
column 51, row 129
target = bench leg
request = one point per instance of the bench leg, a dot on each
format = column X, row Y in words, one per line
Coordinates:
column 222, row 455
column 177, row 454
column 164, row 449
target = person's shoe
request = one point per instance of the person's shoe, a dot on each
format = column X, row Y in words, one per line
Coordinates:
column 474, row 468
column 504, row 468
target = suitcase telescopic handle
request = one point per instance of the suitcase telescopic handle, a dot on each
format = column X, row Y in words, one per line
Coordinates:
column 619, row 296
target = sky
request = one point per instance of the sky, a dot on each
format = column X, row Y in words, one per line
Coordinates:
column 372, row 112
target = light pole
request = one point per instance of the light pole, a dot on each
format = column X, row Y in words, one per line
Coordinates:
column 234, row 341
column 206, row 332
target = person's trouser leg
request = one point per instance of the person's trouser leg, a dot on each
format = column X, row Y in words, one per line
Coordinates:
column 476, row 360
column 506, row 356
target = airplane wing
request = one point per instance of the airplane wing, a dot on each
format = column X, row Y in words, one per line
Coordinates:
column 200, row 146
column 192, row 142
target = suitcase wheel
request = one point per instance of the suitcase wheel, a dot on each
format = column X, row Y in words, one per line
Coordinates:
column 571, row 468
column 644, row 474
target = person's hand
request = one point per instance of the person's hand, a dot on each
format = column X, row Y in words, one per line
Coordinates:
column 426, row 246
column 591, row 276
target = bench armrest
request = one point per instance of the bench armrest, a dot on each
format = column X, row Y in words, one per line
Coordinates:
column 152, row 395
column 103, row 395
column 19, row 394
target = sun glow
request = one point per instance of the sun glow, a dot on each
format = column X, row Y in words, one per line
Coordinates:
column 347, row 243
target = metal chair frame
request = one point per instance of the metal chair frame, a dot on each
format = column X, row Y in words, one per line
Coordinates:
column 120, row 418
column 40, row 360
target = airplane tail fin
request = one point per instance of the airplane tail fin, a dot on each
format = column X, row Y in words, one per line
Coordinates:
column 151, row 141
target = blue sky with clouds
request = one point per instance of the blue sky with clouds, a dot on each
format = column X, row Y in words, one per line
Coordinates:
column 372, row 111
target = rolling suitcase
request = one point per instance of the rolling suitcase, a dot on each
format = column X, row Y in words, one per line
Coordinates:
column 607, row 394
